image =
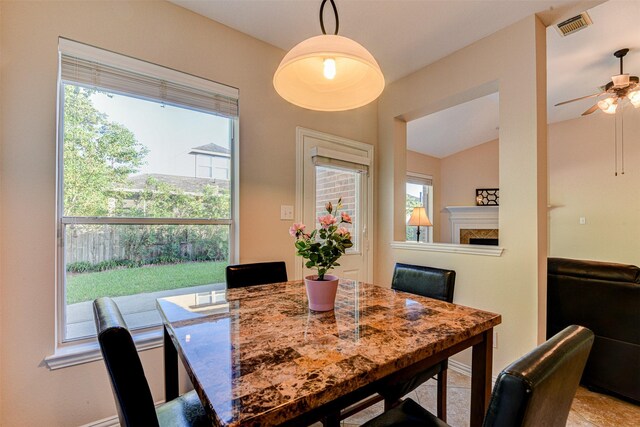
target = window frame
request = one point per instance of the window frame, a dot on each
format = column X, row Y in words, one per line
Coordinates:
column 426, row 181
column 70, row 352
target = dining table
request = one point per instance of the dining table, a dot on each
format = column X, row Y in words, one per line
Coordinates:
column 257, row 355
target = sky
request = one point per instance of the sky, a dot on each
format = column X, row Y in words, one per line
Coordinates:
column 168, row 132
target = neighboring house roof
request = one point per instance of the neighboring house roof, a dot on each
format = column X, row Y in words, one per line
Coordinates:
column 212, row 149
column 187, row 184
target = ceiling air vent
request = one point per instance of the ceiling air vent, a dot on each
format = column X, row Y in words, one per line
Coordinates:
column 574, row 24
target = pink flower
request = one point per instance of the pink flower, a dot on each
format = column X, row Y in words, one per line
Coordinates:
column 342, row 231
column 327, row 220
column 346, row 218
column 296, row 228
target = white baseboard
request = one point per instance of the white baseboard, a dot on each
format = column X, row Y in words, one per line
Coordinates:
column 464, row 369
column 105, row 422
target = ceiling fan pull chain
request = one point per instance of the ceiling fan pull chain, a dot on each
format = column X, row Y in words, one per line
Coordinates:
column 615, row 144
column 622, row 135
column 335, row 13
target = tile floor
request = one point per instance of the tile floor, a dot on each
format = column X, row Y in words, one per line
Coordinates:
column 588, row 410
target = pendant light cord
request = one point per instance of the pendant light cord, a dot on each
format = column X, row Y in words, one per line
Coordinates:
column 335, row 12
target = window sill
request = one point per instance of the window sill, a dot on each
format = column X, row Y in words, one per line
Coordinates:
column 450, row 248
column 77, row 354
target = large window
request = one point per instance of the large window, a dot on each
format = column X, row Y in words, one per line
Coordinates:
column 419, row 193
column 135, row 221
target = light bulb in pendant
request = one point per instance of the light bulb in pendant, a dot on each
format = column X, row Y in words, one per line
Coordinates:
column 329, row 68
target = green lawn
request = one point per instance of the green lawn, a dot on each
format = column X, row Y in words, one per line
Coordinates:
column 129, row 281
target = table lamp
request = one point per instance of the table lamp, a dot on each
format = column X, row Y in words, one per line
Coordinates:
column 419, row 218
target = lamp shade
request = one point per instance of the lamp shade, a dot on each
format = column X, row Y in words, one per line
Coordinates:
column 306, row 79
column 419, row 217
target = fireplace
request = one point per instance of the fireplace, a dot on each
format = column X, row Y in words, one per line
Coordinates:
column 474, row 236
column 474, row 222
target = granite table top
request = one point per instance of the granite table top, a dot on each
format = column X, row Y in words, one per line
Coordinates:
column 259, row 356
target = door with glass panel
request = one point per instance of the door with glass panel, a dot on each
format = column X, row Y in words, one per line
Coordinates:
column 334, row 168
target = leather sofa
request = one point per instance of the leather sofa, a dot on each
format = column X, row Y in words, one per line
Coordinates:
column 604, row 297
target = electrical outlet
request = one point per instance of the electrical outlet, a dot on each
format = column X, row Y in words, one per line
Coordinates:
column 582, row 220
column 286, row 212
column 495, row 339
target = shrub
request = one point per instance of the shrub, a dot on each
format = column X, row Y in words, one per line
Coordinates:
column 79, row 267
column 87, row 267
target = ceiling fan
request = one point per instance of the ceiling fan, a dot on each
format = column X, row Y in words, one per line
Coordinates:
column 620, row 87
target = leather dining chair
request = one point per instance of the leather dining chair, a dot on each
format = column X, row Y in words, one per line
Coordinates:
column 536, row 390
column 260, row 273
column 433, row 283
column 128, row 382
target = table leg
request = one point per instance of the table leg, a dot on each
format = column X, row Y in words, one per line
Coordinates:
column 170, row 368
column 482, row 358
column 331, row 420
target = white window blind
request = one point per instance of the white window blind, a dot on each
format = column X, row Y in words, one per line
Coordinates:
column 97, row 68
column 414, row 178
column 336, row 159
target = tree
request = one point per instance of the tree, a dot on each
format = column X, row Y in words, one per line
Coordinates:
column 98, row 155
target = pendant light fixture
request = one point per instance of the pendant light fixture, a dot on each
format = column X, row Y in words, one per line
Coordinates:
column 329, row 72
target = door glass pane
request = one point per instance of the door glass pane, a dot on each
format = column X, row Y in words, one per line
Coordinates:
column 332, row 184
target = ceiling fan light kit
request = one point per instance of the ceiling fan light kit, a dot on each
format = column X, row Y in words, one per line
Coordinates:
column 621, row 87
column 608, row 105
column 329, row 72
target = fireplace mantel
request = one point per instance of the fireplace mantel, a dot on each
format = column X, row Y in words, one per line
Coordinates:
column 471, row 217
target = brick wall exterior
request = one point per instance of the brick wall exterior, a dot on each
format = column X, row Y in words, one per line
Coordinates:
column 331, row 184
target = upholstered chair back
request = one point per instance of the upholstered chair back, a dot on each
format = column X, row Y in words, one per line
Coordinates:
column 260, row 273
column 128, row 382
column 425, row 281
column 537, row 389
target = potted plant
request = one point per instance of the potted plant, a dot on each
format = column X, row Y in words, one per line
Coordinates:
column 322, row 248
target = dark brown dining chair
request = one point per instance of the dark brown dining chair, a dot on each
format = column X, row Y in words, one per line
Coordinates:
column 128, row 382
column 259, row 273
column 429, row 282
column 536, row 390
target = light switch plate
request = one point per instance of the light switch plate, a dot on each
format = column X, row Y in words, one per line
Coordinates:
column 286, row 212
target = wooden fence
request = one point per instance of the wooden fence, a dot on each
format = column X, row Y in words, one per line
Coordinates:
column 93, row 245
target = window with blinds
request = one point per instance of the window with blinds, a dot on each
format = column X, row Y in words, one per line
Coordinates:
column 419, row 189
column 137, row 216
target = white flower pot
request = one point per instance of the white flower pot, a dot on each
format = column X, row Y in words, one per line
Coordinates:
column 321, row 293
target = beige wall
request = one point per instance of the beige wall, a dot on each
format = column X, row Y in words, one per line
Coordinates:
column 461, row 173
column 508, row 284
column 165, row 34
column 455, row 179
column 428, row 165
column 582, row 184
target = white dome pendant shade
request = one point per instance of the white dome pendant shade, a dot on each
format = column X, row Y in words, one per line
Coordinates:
column 329, row 73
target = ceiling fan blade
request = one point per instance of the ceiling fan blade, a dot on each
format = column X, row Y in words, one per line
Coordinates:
column 590, row 110
column 578, row 99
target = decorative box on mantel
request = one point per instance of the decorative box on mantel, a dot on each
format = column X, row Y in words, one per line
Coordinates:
column 471, row 218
